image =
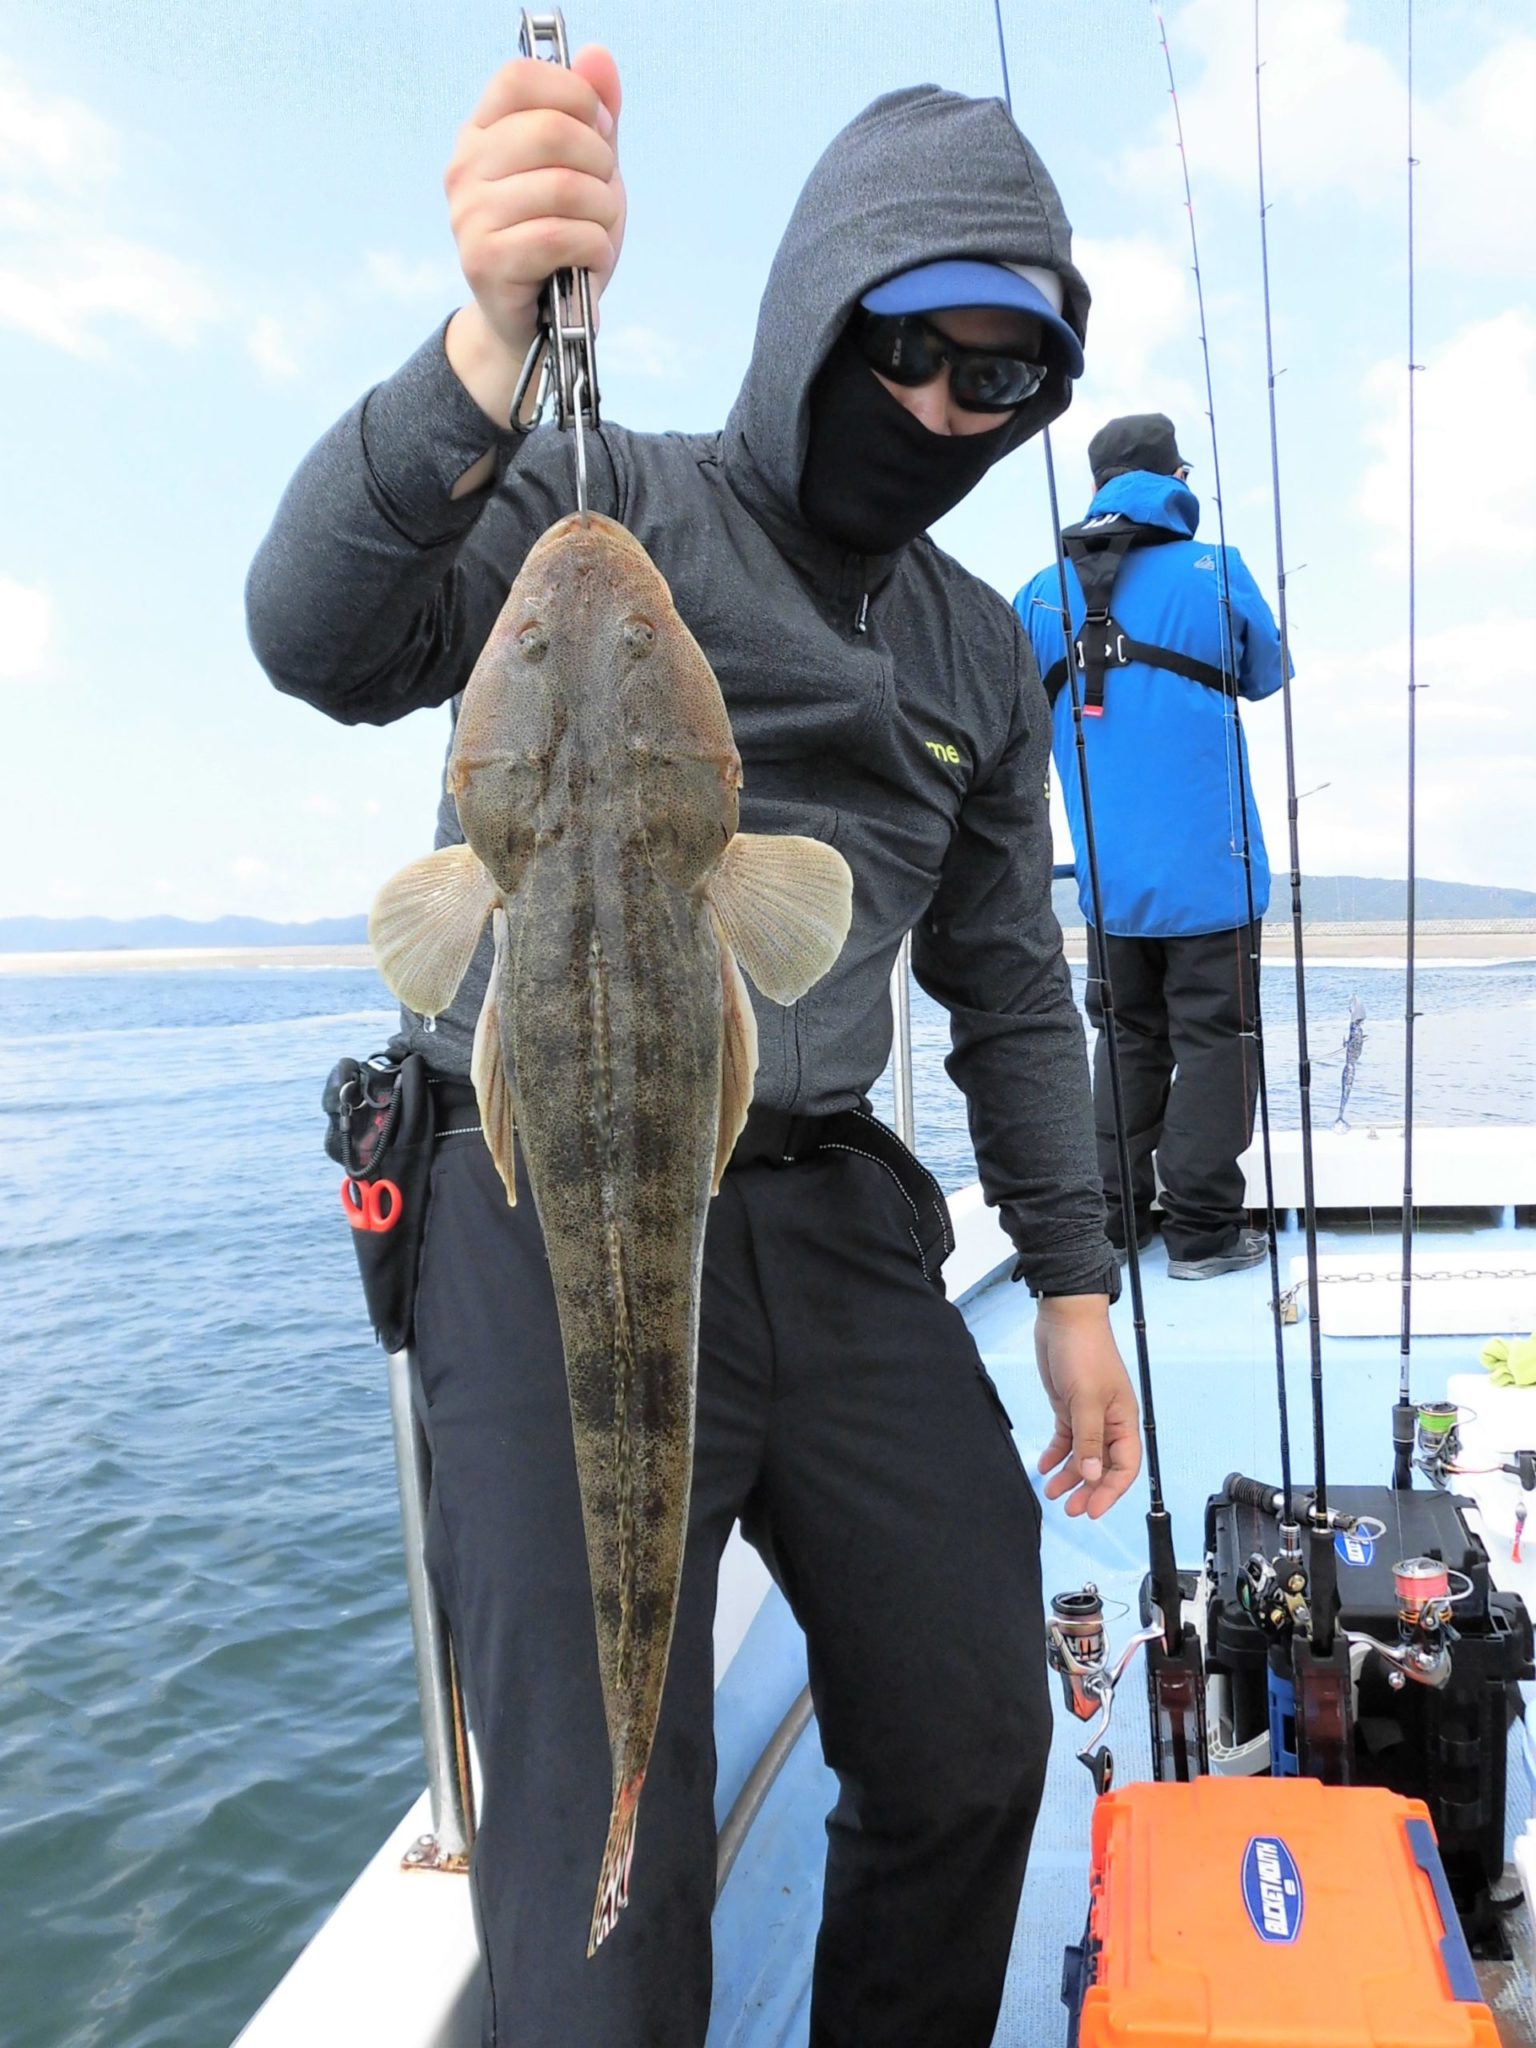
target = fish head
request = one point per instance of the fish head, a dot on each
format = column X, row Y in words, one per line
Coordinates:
column 593, row 707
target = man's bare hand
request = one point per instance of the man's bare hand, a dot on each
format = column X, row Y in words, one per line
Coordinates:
column 1096, row 1451
column 534, row 187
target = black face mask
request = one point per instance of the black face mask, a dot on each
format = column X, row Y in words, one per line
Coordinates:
column 875, row 477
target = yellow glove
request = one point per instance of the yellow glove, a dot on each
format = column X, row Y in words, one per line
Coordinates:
column 1511, row 1361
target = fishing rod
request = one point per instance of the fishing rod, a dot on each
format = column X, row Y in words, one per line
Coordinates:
column 1323, row 1571
column 1075, row 1634
column 1293, row 1600
column 1403, row 1415
column 1175, row 1669
column 1284, row 1566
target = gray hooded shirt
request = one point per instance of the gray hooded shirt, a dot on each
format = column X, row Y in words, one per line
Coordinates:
column 887, row 705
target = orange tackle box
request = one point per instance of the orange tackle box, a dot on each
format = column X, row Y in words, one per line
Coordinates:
column 1270, row 1913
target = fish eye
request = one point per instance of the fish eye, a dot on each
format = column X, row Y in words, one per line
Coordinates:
column 639, row 637
column 533, row 641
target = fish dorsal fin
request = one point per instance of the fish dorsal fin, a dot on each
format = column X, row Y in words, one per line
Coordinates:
column 426, row 923
column 738, row 1056
column 784, row 905
column 488, row 1070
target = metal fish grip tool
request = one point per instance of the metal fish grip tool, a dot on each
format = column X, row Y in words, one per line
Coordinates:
column 564, row 352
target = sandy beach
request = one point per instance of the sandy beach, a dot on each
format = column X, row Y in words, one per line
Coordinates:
column 1381, row 945
column 199, row 959
column 1345, row 943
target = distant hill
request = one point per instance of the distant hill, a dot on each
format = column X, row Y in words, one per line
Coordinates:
column 96, row 934
column 1363, row 899
column 1326, row 899
column 1366, row 899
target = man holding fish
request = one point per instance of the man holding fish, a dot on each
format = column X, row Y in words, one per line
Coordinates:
column 683, row 728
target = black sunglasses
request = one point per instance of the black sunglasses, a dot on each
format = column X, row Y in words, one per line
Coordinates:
column 910, row 350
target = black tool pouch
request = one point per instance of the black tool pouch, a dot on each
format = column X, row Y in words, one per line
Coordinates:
column 379, row 1131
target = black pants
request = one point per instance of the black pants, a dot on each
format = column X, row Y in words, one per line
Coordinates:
column 1189, row 1075
column 844, row 1414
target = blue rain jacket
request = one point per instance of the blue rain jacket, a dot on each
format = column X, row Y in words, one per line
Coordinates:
column 1163, row 761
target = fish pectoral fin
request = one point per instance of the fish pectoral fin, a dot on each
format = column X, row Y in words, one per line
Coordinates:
column 426, row 923
column 488, row 1070
column 784, row 905
column 738, row 1056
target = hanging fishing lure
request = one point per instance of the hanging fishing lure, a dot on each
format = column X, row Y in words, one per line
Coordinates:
column 1354, row 1041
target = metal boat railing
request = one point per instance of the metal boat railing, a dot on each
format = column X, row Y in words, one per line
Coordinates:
column 903, row 1120
column 444, row 1735
column 759, row 1783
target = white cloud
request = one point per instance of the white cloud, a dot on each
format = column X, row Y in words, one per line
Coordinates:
column 636, row 351
column 46, row 137
column 1335, row 127
column 1474, row 679
column 1143, row 302
column 1359, row 826
column 247, row 868
column 64, row 288
column 1476, row 189
column 1476, row 756
column 26, row 629
column 17, row 211
column 401, row 278
column 65, row 275
column 272, row 349
column 1143, row 334
column 1475, row 442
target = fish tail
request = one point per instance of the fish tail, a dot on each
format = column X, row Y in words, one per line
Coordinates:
column 613, row 1878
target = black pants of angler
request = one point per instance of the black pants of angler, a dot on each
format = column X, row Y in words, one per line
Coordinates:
column 844, row 1413
column 1189, row 1077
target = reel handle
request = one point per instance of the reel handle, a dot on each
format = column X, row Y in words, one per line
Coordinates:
column 1266, row 1499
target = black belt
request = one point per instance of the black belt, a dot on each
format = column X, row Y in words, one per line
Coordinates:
column 451, row 1098
column 772, row 1137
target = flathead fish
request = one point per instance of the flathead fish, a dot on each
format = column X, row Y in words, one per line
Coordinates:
column 597, row 784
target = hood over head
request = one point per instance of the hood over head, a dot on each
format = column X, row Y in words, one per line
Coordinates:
column 1151, row 498
column 921, row 175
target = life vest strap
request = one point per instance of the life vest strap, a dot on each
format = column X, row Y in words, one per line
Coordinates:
column 1097, row 550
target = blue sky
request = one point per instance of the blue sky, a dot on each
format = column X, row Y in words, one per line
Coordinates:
column 219, row 224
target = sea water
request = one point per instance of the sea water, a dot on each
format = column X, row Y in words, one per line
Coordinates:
column 207, row 1707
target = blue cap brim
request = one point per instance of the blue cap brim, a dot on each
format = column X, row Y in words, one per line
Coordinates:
column 935, row 287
